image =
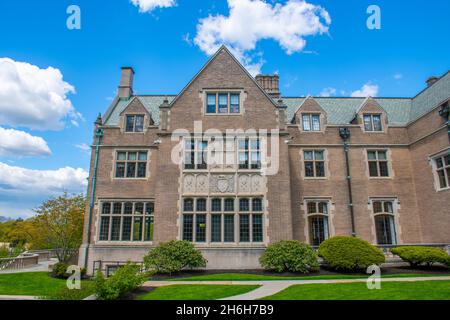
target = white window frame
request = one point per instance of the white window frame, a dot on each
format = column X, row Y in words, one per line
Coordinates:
column 435, row 168
column 393, row 215
column 127, row 151
column 229, row 93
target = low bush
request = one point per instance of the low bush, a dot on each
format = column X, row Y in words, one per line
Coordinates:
column 123, row 281
column 174, row 256
column 350, row 253
column 87, row 289
column 59, row 270
column 289, row 255
column 416, row 256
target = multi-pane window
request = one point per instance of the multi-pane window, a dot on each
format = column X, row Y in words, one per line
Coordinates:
column 311, row 122
column 384, row 221
column 372, row 122
column 249, row 153
column 126, row 221
column 134, row 123
column 317, row 212
column 195, row 154
column 378, row 163
column 222, row 103
column 250, row 220
column 442, row 165
column 224, row 222
column 314, row 161
column 131, row 164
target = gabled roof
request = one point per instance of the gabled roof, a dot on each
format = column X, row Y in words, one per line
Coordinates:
column 150, row 102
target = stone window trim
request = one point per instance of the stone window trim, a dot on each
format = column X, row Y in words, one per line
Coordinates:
column 226, row 152
column 392, row 212
column 122, row 215
column 441, row 170
column 325, row 160
column 115, row 153
column 383, row 120
column 146, row 123
column 236, row 213
column 391, row 174
column 229, row 91
column 329, row 215
column 322, row 122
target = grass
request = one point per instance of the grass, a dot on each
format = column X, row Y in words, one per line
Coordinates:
column 257, row 277
column 420, row 290
column 196, row 292
column 36, row 284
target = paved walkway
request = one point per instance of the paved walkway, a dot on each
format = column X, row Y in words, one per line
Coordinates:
column 40, row 267
column 271, row 287
column 18, row 298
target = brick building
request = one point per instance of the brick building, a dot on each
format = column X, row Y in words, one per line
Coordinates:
column 231, row 165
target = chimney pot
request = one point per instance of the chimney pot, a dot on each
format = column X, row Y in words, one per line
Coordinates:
column 432, row 80
column 126, row 82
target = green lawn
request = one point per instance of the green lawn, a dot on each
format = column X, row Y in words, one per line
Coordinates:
column 420, row 290
column 256, row 277
column 33, row 284
column 196, row 292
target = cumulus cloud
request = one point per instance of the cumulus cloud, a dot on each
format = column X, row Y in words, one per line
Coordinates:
column 21, row 144
column 33, row 97
column 150, row 5
column 22, row 181
column 328, row 92
column 367, row 90
column 250, row 21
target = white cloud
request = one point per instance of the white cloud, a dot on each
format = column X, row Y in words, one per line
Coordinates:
column 83, row 147
column 21, row 144
column 367, row 90
column 328, row 92
column 22, row 181
column 33, row 97
column 150, row 5
column 398, row 76
column 250, row 21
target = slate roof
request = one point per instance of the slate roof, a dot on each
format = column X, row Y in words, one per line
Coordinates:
column 400, row 111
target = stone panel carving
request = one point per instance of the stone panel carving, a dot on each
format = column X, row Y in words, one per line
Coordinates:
column 189, row 183
column 251, row 183
column 244, row 183
column 202, row 183
column 221, row 183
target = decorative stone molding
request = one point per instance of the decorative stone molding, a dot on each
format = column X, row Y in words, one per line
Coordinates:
column 222, row 183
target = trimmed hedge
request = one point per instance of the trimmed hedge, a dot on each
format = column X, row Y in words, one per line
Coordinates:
column 174, row 256
column 350, row 253
column 59, row 270
column 289, row 255
column 123, row 281
column 416, row 256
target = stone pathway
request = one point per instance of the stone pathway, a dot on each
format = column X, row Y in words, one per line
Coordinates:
column 18, row 298
column 269, row 288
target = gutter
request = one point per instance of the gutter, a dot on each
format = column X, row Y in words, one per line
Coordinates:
column 98, row 134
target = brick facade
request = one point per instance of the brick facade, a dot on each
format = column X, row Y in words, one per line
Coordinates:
column 422, row 214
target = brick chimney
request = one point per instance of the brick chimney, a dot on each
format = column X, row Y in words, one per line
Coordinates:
column 126, row 83
column 432, row 80
column 270, row 84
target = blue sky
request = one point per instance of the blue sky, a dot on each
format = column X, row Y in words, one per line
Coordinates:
column 340, row 56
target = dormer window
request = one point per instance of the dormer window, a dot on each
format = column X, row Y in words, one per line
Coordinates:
column 311, row 122
column 223, row 103
column 372, row 122
column 134, row 123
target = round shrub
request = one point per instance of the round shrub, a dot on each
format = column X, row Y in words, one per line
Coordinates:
column 289, row 255
column 416, row 256
column 174, row 256
column 59, row 270
column 350, row 253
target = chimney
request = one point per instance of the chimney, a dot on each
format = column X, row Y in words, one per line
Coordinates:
column 270, row 84
column 432, row 80
column 126, row 83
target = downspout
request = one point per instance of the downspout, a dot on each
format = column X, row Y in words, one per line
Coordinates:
column 344, row 133
column 445, row 113
column 98, row 136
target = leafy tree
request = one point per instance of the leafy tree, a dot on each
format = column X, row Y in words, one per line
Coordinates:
column 59, row 225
